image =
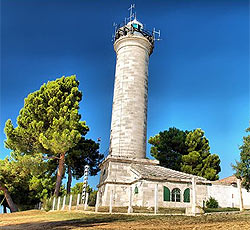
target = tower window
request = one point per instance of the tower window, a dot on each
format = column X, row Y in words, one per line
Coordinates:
column 176, row 195
column 135, row 25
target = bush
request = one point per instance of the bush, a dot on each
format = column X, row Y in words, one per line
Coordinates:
column 47, row 204
column 209, row 210
column 92, row 198
column 212, row 203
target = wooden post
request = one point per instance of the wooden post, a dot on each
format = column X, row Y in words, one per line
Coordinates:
column 240, row 194
column 70, row 202
column 156, row 199
column 130, row 209
column 54, row 203
column 111, row 201
column 58, row 203
column 193, row 196
column 86, row 201
column 97, row 201
column 78, row 200
column 64, row 200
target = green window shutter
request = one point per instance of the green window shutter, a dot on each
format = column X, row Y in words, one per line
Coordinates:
column 187, row 195
column 136, row 190
column 166, row 194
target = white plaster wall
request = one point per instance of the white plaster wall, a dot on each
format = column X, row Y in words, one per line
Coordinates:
column 246, row 198
column 226, row 195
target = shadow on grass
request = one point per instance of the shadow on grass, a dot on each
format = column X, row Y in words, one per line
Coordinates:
column 87, row 221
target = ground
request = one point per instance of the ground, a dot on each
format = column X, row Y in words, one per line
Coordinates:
column 80, row 220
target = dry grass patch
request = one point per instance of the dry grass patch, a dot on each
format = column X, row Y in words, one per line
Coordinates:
column 31, row 220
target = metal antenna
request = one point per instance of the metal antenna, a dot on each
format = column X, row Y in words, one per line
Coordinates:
column 115, row 25
column 158, row 33
column 115, row 28
column 131, row 15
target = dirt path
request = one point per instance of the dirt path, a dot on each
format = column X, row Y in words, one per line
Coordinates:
column 32, row 220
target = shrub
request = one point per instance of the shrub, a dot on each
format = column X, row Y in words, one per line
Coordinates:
column 47, row 204
column 212, row 203
column 209, row 210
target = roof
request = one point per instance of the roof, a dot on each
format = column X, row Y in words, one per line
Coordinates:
column 156, row 172
column 228, row 180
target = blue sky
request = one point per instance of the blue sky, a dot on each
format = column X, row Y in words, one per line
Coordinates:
column 198, row 73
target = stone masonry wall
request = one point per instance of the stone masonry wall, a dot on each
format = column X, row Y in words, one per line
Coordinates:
column 117, row 176
column 129, row 112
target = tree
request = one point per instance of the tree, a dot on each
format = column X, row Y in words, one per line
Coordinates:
column 169, row 147
column 86, row 152
column 21, row 178
column 186, row 151
column 199, row 161
column 3, row 202
column 242, row 167
column 49, row 123
column 212, row 203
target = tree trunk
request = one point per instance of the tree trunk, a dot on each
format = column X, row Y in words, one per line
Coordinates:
column 4, row 209
column 69, row 180
column 60, row 172
column 12, row 205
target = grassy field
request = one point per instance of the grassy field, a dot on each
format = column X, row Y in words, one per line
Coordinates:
column 80, row 220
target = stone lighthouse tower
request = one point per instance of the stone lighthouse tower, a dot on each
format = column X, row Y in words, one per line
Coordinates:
column 133, row 46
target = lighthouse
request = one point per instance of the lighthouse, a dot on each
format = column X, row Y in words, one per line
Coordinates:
column 133, row 46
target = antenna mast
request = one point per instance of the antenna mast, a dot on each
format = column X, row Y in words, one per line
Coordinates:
column 131, row 14
column 158, row 33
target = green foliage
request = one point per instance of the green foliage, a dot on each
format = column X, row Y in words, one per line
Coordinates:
column 209, row 210
column 92, row 193
column 168, row 147
column 186, row 151
column 199, row 161
column 86, row 152
column 48, row 204
column 212, row 203
column 49, row 122
column 26, row 179
column 243, row 166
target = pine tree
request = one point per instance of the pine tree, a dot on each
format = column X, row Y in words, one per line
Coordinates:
column 49, row 123
column 243, row 166
column 185, row 151
column 169, row 147
column 199, row 161
column 86, row 152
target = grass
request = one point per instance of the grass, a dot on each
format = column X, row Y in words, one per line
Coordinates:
column 31, row 220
